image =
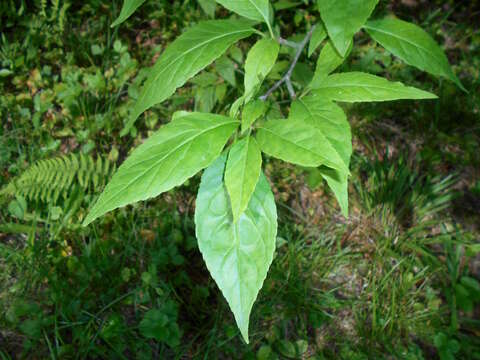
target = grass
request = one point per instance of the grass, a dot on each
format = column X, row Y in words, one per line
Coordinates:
column 398, row 279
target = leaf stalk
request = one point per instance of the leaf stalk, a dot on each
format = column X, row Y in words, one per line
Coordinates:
column 287, row 77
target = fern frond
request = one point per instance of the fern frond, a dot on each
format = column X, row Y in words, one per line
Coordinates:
column 43, row 7
column 55, row 7
column 62, row 16
column 48, row 180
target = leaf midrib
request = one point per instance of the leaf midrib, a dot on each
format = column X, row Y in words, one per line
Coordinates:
column 398, row 86
column 433, row 55
column 291, row 142
column 324, row 135
column 168, row 154
column 259, row 11
column 243, row 168
column 183, row 54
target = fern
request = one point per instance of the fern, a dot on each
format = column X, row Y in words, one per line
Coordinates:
column 48, row 180
column 55, row 7
column 62, row 16
column 43, row 8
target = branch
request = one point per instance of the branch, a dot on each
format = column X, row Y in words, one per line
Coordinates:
column 286, row 42
column 287, row 77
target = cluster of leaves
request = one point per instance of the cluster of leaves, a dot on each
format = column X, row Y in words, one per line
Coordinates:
column 315, row 302
column 235, row 215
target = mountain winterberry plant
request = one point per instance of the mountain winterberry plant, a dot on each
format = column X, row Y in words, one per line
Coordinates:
column 235, row 216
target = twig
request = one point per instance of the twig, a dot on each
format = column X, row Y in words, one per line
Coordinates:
column 291, row 91
column 287, row 77
column 286, row 42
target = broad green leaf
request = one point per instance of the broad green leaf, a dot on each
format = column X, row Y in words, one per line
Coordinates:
column 252, row 112
column 413, row 45
column 186, row 56
column 208, row 6
column 344, row 18
column 128, row 8
column 251, row 9
column 179, row 114
column 204, row 99
column 237, row 255
column 235, row 107
column 220, row 92
column 319, row 34
column 173, row 154
column 302, row 74
column 285, row 4
column 330, row 120
column 244, row 165
column 205, row 79
column 260, row 60
column 226, row 68
column 161, row 324
column 299, row 142
column 327, row 62
column 358, row 87
column 338, row 183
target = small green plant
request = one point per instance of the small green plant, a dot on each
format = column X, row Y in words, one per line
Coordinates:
column 47, row 180
column 236, row 217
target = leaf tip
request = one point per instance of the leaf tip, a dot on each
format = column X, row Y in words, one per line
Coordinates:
column 244, row 332
column 88, row 220
column 460, row 85
column 116, row 22
column 426, row 95
column 246, row 339
column 92, row 215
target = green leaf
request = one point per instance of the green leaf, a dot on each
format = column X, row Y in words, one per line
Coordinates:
column 286, row 4
column 329, row 119
column 161, row 324
column 464, row 298
column 413, row 45
column 302, row 74
column 286, row 348
column 128, row 8
column 345, row 18
column 318, row 35
column 252, row 112
column 17, row 208
column 244, row 166
column 338, row 182
column 154, row 325
column 299, row 142
column 327, row 62
column 260, row 60
column 208, row 6
column 358, row 87
column 265, row 353
column 237, row 255
column 185, row 57
column 204, row 99
column 332, row 122
column 226, row 68
column 5, row 72
column 258, row 10
column 235, row 107
column 173, row 154
column 473, row 286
